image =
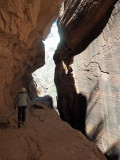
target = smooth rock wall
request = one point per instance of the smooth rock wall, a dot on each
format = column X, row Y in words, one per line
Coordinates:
column 88, row 86
column 97, row 76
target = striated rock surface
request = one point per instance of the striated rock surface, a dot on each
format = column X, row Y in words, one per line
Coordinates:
column 79, row 23
column 23, row 26
column 98, row 78
column 45, row 137
column 88, row 84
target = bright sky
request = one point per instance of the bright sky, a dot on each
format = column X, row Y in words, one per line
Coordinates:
column 44, row 76
column 52, row 40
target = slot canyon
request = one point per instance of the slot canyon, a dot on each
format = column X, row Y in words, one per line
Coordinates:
column 87, row 79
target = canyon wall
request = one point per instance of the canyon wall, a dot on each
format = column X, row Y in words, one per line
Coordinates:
column 87, row 70
column 97, row 76
column 23, row 26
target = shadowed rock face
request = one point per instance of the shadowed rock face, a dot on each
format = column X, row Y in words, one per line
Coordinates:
column 79, row 23
column 23, row 26
column 88, row 92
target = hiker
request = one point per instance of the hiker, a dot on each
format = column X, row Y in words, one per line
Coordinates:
column 21, row 101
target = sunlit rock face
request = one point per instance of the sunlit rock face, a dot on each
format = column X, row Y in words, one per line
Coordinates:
column 98, row 78
column 44, row 76
column 23, row 26
column 89, row 89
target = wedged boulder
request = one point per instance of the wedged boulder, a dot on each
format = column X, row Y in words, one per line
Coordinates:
column 46, row 100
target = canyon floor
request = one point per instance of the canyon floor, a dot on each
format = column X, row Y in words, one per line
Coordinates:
column 44, row 137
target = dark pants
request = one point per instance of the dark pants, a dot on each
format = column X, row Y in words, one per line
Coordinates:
column 21, row 114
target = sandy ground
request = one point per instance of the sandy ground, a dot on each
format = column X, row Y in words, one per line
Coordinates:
column 44, row 137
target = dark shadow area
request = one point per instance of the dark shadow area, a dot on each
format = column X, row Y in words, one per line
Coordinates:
column 96, row 132
column 73, row 106
column 113, row 153
column 112, row 157
column 81, row 112
column 37, row 106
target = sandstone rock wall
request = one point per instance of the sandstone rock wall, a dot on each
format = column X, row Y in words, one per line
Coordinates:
column 91, row 91
column 97, row 77
column 23, row 26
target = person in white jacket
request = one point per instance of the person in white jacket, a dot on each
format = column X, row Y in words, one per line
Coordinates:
column 21, row 102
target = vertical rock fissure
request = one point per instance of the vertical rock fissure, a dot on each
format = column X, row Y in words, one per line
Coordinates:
column 71, row 105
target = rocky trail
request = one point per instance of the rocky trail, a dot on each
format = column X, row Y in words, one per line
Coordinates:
column 44, row 137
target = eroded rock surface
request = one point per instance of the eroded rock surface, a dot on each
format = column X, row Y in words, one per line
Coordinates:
column 45, row 137
column 90, row 87
column 97, row 77
column 23, row 26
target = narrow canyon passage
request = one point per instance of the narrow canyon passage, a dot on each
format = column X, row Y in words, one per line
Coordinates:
column 44, row 76
column 86, row 77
